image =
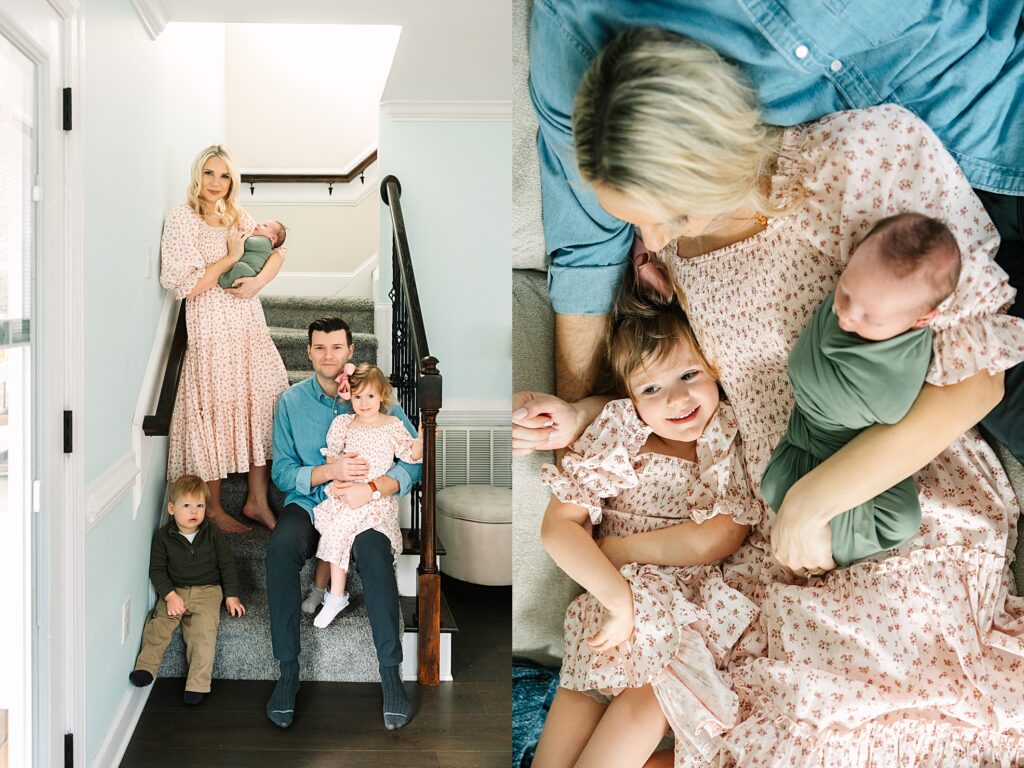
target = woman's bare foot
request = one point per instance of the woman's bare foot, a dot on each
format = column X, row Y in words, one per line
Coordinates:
column 260, row 512
column 226, row 522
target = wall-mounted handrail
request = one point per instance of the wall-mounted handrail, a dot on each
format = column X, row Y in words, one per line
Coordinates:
column 311, row 178
column 414, row 373
column 159, row 423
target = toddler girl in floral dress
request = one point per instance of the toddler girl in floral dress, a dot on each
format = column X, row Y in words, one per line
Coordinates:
column 378, row 438
column 662, row 474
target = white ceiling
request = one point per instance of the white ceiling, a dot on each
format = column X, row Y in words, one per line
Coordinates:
column 449, row 50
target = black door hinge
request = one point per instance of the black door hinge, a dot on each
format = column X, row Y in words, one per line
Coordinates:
column 67, row 109
column 67, row 431
column 69, row 750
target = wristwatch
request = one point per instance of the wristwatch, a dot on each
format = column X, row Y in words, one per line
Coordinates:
column 375, row 495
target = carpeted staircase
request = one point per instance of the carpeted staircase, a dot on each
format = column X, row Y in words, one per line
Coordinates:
column 344, row 651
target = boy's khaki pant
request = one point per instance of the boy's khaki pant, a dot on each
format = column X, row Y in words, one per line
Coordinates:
column 198, row 630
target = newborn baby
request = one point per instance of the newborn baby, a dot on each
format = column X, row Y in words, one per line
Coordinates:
column 265, row 237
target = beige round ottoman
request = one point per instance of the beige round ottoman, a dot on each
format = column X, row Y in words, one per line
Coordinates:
column 474, row 523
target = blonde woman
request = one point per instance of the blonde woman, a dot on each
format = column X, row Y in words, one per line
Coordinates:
column 232, row 373
column 912, row 656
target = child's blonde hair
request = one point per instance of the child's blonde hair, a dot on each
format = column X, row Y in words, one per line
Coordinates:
column 644, row 328
column 188, row 485
column 367, row 375
column 193, row 195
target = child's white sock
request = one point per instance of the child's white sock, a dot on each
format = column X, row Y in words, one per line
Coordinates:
column 333, row 605
column 313, row 600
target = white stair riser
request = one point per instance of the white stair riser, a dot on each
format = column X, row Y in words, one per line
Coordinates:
column 410, row 650
column 405, row 568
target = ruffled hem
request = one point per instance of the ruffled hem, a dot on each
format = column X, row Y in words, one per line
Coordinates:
column 987, row 342
column 742, row 514
column 760, row 742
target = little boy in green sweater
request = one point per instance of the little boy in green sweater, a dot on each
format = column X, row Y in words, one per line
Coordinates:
column 192, row 568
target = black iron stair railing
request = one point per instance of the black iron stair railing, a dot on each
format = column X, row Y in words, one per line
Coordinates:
column 418, row 382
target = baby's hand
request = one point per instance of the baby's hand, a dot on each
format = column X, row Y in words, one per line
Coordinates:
column 235, row 607
column 175, row 605
column 617, row 628
column 235, row 246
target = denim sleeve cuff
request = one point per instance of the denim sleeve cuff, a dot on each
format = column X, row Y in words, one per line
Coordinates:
column 582, row 290
column 303, row 478
column 398, row 473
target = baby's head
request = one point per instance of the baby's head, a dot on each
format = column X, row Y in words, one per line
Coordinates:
column 654, row 357
column 275, row 231
column 371, row 390
column 187, row 502
column 897, row 277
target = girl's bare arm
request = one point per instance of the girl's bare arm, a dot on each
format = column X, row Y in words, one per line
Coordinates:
column 688, row 543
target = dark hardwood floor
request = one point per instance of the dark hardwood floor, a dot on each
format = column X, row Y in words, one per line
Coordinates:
column 464, row 724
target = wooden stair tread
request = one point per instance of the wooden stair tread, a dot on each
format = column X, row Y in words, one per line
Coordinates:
column 448, row 625
column 410, row 547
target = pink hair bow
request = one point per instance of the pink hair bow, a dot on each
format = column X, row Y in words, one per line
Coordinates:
column 344, row 391
column 646, row 272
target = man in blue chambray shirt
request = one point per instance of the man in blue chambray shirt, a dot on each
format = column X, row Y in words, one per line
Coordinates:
column 958, row 66
column 301, row 420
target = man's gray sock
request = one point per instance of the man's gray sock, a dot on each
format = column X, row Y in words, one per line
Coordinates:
column 281, row 707
column 397, row 709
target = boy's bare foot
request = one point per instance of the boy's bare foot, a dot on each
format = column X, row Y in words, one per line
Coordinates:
column 261, row 513
column 226, row 522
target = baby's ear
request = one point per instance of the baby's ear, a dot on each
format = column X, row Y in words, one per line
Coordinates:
column 923, row 320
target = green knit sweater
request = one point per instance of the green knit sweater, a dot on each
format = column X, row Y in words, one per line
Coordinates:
column 176, row 562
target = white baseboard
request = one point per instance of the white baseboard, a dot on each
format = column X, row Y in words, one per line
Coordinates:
column 382, row 330
column 106, row 491
column 115, row 743
column 355, row 283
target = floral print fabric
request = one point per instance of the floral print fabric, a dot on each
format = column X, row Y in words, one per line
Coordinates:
column 232, row 373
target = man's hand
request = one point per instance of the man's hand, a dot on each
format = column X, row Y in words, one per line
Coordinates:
column 175, row 605
column 543, row 422
column 353, row 494
column 349, row 468
column 235, row 607
column 799, row 540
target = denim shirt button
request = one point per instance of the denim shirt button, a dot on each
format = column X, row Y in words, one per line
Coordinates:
column 836, row 65
column 802, row 51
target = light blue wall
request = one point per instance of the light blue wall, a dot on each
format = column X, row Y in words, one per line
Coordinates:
column 457, row 200
column 147, row 107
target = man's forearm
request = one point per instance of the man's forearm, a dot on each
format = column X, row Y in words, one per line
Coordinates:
column 387, row 486
column 579, row 341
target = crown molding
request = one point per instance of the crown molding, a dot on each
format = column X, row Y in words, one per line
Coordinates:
column 153, row 14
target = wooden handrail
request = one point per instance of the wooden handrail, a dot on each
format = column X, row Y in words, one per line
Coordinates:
column 159, row 423
column 312, row 178
column 419, row 380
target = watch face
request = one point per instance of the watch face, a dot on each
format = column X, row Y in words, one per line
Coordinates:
column 375, row 495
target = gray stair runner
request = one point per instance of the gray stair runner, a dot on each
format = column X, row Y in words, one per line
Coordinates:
column 344, row 651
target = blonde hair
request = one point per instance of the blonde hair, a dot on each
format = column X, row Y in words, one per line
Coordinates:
column 644, row 329
column 670, row 123
column 188, row 485
column 193, row 194
column 367, row 375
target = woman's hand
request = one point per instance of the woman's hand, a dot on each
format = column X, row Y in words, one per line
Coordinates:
column 543, row 422
column 245, row 287
column 236, row 245
column 617, row 628
column 801, row 538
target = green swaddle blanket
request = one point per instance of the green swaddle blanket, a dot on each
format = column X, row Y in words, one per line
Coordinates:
column 843, row 384
column 256, row 251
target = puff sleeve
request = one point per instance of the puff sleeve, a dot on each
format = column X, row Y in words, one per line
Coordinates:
column 181, row 263
column 600, row 464
column 402, row 442
column 337, row 434
column 860, row 166
column 722, row 487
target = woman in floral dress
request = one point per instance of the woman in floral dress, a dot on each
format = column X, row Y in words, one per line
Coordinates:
column 232, row 373
column 912, row 657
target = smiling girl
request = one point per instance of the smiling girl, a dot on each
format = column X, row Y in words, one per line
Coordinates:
column 661, row 473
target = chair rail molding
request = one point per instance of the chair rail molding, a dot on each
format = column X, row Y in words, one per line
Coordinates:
column 106, row 491
column 154, row 16
column 453, row 111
